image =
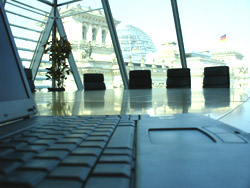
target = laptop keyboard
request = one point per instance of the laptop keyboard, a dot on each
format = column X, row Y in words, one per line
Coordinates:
column 80, row 151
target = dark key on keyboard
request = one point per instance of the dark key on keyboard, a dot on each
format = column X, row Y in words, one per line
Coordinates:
column 71, row 152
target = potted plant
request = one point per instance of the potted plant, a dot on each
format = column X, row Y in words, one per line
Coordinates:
column 59, row 50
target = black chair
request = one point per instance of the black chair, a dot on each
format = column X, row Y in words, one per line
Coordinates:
column 94, row 81
column 29, row 76
column 140, row 79
column 216, row 77
column 178, row 78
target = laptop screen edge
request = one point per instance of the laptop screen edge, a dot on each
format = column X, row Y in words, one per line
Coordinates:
column 15, row 109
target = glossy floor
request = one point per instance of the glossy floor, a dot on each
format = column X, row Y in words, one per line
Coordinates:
column 227, row 105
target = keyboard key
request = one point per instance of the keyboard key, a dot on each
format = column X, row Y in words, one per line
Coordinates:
column 28, row 140
column 41, row 130
column 79, row 160
column 33, row 148
column 86, row 128
column 100, row 144
column 6, row 140
column 55, row 183
column 116, row 159
column 109, row 126
column 87, row 151
column 100, row 133
column 41, row 164
column 53, row 154
column 52, row 137
column 123, row 137
column 71, row 172
column 108, row 182
column 8, row 166
column 97, row 138
column 117, row 169
column 119, row 151
column 32, row 134
column 80, row 131
column 5, row 151
column 103, row 130
column 45, row 142
column 75, row 135
column 55, row 132
column 70, row 140
column 19, row 156
column 67, row 147
column 131, row 124
column 22, row 178
column 13, row 145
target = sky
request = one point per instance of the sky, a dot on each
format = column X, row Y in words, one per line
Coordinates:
column 203, row 22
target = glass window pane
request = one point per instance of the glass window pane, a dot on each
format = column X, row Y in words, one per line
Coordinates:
column 88, row 32
column 216, row 33
column 147, row 37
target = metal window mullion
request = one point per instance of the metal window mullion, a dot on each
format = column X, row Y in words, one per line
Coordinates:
column 179, row 33
column 69, row 2
column 25, row 49
column 26, row 28
column 26, row 9
column 30, row 6
column 20, row 15
column 115, row 41
column 25, row 39
column 46, row 2
column 39, row 51
column 71, row 60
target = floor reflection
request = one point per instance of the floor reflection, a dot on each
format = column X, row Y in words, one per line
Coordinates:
column 227, row 105
column 140, row 101
column 158, row 101
column 216, row 98
column 179, row 99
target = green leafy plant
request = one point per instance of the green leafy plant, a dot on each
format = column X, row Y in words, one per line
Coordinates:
column 59, row 50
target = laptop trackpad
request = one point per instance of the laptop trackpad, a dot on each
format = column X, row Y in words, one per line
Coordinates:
column 172, row 136
column 190, row 151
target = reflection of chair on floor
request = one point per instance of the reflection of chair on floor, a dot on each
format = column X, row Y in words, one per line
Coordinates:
column 94, row 81
column 141, row 99
column 178, row 78
column 140, row 79
column 28, row 73
column 179, row 99
column 216, row 98
column 216, row 77
column 94, row 99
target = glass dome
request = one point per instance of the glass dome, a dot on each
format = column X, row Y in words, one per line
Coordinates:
column 134, row 42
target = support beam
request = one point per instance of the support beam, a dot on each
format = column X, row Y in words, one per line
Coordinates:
column 35, row 8
column 37, row 58
column 46, row 2
column 39, row 51
column 71, row 60
column 179, row 33
column 30, row 18
column 69, row 2
column 26, row 9
column 115, row 40
column 26, row 28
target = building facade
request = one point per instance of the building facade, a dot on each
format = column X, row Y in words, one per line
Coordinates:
column 93, row 52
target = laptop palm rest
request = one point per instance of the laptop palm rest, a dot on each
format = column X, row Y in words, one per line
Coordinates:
column 190, row 151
